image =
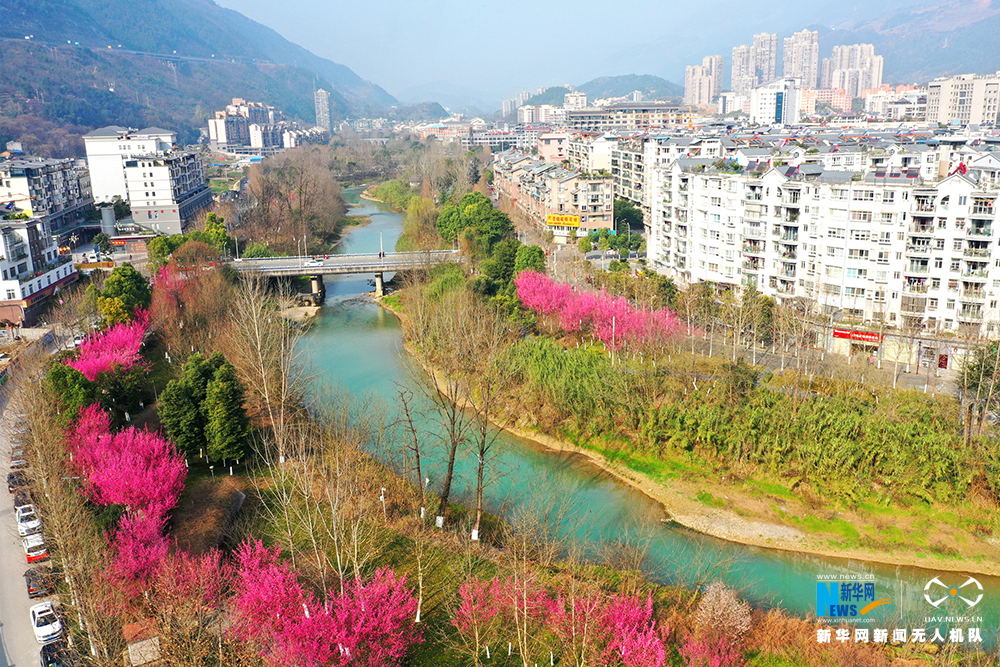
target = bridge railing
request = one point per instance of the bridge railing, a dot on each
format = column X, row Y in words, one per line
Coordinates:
column 374, row 255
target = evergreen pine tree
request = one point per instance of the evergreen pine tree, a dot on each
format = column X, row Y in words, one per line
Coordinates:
column 227, row 427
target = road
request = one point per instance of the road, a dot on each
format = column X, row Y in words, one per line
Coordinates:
column 17, row 640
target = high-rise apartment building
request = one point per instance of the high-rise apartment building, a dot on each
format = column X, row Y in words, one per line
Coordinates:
column 322, row 100
column 714, row 65
column 964, row 99
column 744, row 75
column 703, row 83
column 801, row 57
column 765, row 56
column 853, row 68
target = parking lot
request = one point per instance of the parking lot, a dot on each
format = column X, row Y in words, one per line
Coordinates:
column 18, row 646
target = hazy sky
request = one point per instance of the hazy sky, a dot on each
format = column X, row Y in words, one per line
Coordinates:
column 503, row 47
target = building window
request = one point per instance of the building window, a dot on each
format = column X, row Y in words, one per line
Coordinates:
column 11, row 295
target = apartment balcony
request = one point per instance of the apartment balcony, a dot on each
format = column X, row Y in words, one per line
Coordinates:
column 918, row 250
column 917, row 269
column 976, row 252
column 970, row 316
column 977, row 275
column 921, row 228
column 682, row 232
column 785, row 288
column 788, row 271
column 980, row 209
column 973, row 293
column 925, row 205
column 914, row 288
column 753, row 233
column 791, row 216
column 980, row 231
column 753, row 248
column 789, row 254
column 792, row 237
column 752, row 266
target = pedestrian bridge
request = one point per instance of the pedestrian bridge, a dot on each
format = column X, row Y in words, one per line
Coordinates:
column 332, row 265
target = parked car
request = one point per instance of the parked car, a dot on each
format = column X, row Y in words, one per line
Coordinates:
column 28, row 521
column 47, row 626
column 35, row 550
column 22, row 499
column 57, row 654
column 16, row 480
column 39, row 581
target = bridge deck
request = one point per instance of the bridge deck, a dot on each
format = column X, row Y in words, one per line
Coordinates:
column 343, row 264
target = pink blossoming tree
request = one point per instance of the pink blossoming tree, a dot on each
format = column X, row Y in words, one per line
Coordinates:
column 117, row 347
column 371, row 623
column 479, row 616
column 613, row 321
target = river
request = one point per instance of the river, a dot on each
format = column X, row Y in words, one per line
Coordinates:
column 358, row 345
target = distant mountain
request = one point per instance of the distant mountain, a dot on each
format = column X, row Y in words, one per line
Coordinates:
column 651, row 87
column 955, row 37
column 554, row 96
column 154, row 62
column 455, row 97
column 426, row 111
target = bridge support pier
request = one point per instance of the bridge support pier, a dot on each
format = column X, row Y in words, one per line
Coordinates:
column 379, row 286
column 318, row 289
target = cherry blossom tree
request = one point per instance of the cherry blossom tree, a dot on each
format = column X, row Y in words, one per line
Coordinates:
column 578, row 620
column 138, row 469
column 370, row 623
column 140, row 545
column 614, row 321
column 479, row 615
column 117, row 347
column 635, row 639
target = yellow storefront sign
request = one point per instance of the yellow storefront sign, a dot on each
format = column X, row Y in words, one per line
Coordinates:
column 556, row 220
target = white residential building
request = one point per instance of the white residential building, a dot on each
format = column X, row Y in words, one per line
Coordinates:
column 575, row 100
column 166, row 190
column 801, row 57
column 703, row 83
column 31, row 268
column 853, row 68
column 108, row 148
column 964, row 99
column 590, row 152
column 776, row 102
column 765, row 56
column 744, row 77
column 880, row 247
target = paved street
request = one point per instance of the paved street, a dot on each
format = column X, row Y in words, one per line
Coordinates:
column 17, row 641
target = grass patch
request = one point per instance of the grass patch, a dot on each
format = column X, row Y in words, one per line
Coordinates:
column 708, row 499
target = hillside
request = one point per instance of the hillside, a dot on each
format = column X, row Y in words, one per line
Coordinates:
column 153, row 62
column 554, row 96
column 652, row 87
column 921, row 44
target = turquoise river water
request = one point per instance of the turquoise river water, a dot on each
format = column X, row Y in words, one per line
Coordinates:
column 356, row 344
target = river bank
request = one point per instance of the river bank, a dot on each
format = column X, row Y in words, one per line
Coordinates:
column 740, row 513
